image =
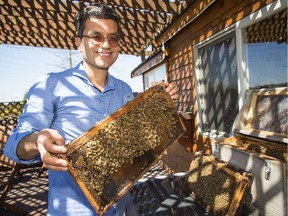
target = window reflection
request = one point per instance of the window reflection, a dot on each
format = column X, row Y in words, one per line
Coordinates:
column 265, row 48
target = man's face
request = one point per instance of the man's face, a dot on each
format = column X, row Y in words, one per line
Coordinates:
column 96, row 54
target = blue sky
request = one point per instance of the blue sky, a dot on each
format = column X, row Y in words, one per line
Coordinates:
column 21, row 66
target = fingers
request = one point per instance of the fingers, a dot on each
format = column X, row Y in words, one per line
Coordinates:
column 50, row 141
column 51, row 162
column 173, row 90
column 51, row 135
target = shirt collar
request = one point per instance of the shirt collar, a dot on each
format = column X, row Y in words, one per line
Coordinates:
column 80, row 72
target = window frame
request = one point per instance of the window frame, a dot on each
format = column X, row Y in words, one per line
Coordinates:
column 198, row 74
column 243, row 70
column 155, row 70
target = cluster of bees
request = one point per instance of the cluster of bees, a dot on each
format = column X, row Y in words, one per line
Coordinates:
column 273, row 149
column 210, row 185
column 152, row 125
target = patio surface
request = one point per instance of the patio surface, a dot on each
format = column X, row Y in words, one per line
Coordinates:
column 29, row 193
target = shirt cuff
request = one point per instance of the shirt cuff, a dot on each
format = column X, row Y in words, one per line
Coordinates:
column 10, row 149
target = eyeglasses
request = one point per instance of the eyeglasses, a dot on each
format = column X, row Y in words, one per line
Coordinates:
column 98, row 39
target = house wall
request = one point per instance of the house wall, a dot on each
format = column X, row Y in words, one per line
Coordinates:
column 181, row 68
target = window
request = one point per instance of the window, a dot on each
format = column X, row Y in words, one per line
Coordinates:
column 265, row 51
column 155, row 75
column 218, row 90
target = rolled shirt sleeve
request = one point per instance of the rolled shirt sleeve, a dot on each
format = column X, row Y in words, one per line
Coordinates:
column 37, row 115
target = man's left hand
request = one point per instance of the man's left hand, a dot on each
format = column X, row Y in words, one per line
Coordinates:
column 173, row 90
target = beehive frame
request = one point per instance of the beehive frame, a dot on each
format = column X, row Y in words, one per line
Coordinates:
column 218, row 186
column 109, row 158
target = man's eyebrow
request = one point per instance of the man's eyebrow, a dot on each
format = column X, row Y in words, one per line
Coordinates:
column 97, row 32
column 94, row 32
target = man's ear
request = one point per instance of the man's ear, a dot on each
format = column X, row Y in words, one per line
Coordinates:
column 78, row 43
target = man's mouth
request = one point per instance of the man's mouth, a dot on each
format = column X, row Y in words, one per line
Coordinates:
column 104, row 54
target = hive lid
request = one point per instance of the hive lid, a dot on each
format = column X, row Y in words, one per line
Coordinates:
column 264, row 115
column 109, row 158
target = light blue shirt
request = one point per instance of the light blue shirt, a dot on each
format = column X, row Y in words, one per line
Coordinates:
column 68, row 102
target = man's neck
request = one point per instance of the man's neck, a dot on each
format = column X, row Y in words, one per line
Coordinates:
column 99, row 82
column 97, row 76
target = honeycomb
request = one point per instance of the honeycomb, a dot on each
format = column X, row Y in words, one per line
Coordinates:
column 109, row 158
column 259, row 146
column 216, row 185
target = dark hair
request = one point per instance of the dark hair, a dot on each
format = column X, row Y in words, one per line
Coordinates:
column 97, row 10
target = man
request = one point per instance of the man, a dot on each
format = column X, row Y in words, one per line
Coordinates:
column 62, row 106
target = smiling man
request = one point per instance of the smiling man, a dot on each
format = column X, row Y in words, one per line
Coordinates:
column 62, row 106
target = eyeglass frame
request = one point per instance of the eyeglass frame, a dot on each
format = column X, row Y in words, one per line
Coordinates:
column 98, row 42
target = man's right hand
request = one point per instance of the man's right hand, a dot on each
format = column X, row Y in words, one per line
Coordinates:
column 44, row 142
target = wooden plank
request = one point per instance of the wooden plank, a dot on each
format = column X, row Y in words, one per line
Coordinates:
column 251, row 112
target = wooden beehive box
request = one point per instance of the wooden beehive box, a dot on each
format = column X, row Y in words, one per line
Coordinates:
column 259, row 145
column 109, row 158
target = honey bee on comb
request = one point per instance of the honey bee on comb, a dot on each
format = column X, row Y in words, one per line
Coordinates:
column 109, row 158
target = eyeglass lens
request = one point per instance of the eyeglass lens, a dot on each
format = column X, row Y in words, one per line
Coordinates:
column 98, row 39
